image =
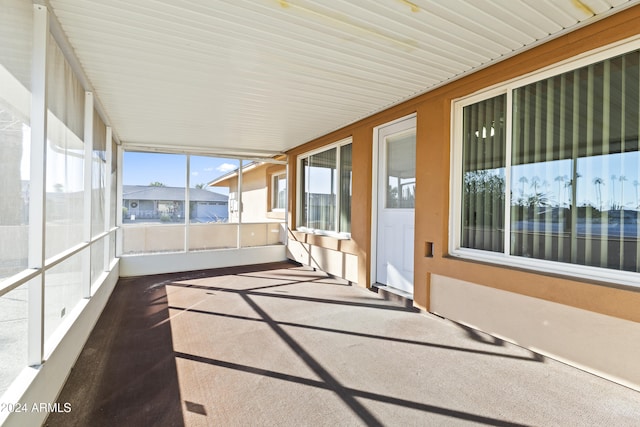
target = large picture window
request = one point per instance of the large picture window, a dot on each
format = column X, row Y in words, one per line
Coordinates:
column 186, row 203
column 563, row 184
column 325, row 190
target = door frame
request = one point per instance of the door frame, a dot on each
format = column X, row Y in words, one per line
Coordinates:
column 373, row 260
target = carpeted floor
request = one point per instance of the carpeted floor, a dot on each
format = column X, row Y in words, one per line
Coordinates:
column 283, row 345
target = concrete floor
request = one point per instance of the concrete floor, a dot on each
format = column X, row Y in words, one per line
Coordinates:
column 280, row 345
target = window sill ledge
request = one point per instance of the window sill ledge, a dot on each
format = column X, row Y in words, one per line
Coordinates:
column 337, row 236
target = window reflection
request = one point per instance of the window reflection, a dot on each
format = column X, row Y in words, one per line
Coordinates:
column 484, row 160
column 575, row 178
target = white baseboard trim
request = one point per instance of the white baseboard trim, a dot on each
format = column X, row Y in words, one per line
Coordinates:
column 144, row 265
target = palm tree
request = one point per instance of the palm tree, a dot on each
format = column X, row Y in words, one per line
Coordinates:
column 560, row 179
column 534, row 184
column 569, row 184
column 598, row 182
column 613, row 190
column 523, row 181
column 622, row 179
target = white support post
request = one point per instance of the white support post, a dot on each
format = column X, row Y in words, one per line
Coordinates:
column 118, row 213
column 187, row 204
column 107, row 197
column 37, row 201
column 336, row 217
column 286, row 208
column 239, row 242
column 88, row 193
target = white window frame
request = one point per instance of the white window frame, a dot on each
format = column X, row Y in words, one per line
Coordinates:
column 274, row 193
column 455, row 208
column 300, row 191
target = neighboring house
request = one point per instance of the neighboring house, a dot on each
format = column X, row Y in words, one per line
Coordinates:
column 264, row 192
column 143, row 202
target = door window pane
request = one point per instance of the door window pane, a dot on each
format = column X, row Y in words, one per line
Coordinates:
column 401, row 171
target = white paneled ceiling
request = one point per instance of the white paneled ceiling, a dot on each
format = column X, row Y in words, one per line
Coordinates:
column 262, row 76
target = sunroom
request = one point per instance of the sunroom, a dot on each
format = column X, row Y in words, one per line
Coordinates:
column 473, row 160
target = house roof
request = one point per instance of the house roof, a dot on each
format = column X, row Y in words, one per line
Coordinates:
column 145, row 192
column 261, row 77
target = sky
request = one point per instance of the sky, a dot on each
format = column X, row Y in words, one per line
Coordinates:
column 170, row 169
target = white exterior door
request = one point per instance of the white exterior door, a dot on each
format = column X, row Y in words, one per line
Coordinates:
column 396, row 200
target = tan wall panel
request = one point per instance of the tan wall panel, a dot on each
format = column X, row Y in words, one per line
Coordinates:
column 153, row 238
column 253, row 235
column 212, row 236
column 592, row 296
column 298, row 251
column 261, row 234
column 362, row 155
column 161, row 238
column 432, row 183
column 601, row 344
column 339, row 264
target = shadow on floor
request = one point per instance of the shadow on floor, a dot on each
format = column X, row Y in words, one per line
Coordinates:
column 272, row 344
column 126, row 374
